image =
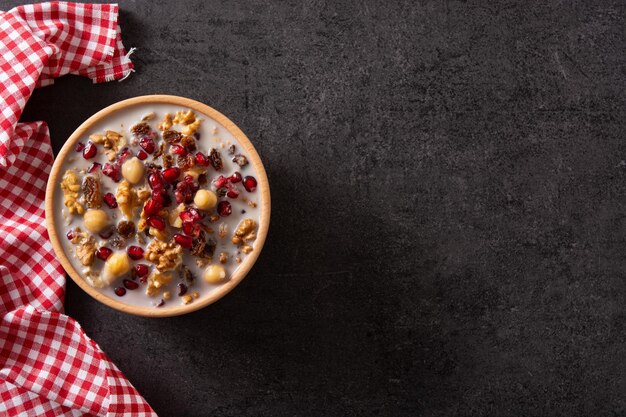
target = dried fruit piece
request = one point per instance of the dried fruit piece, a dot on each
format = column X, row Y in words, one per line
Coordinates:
column 203, row 248
column 70, row 186
column 126, row 229
column 107, row 232
column 141, row 129
column 188, row 143
column 91, row 191
column 172, row 136
column 215, row 159
column 231, row 149
column 182, row 289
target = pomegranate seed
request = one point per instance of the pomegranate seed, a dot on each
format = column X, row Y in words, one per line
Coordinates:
column 182, row 289
column 184, row 241
column 249, row 183
column 191, row 215
column 143, row 280
column 142, row 155
column 110, row 200
column 156, row 180
column 94, row 167
column 120, row 291
column 235, row 178
column 156, row 222
column 90, row 150
column 191, row 229
column 112, row 171
column 124, row 154
column 131, row 285
column 141, row 270
column 103, row 253
column 232, row 192
column 220, row 181
column 107, row 233
column 147, row 144
column 178, row 150
column 224, row 208
column 135, row 252
column 188, row 179
column 201, row 159
column 153, row 206
column 70, row 235
column 171, row 174
column 79, row 147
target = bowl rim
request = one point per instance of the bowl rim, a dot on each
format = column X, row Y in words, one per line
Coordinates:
column 262, row 189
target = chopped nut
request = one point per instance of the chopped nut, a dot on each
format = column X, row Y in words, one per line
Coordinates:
column 245, row 232
column 85, row 247
column 166, row 256
column 156, row 281
column 201, row 262
column 223, row 230
column 143, row 194
column 195, row 294
column 174, row 216
column 238, row 259
column 240, row 160
column 162, row 235
column 167, row 295
column 184, row 118
column 187, row 299
column 111, row 140
column 127, row 199
column 245, row 248
column 148, row 116
column 91, row 190
column 214, row 217
column 166, row 123
column 70, row 186
column 223, row 257
column 191, row 128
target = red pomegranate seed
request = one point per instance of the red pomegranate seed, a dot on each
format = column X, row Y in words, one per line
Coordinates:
column 201, row 159
column 142, row 155
column 224, row 208
column 235, row 178
column 191, row 215
column 178, row 150
column 112, row 171
column 191, row 229
column 120, row 291
column 188, row 179
column 184, row 241
column 131, row 285
column 153, row 206
column 103, row 253
column 141, row 270
column 156, row 180
column 232, row 192
column 220, row 181
column 182, row 289
column 94, row 167
column 110, row 200
column 124, row 154
column 135, row 252
column 107, row 233
column 70, row 235
column 249, row 183
column 147, row 144
column 79, row 147
column 171, row 174
column 156, row 222
column 90, row 150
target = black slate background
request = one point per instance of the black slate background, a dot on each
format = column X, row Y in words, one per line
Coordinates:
column 449, row 195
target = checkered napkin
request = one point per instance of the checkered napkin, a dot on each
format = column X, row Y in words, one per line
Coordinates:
column 48, row 366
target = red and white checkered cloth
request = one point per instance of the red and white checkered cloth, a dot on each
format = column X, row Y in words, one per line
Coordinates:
column 48, row 366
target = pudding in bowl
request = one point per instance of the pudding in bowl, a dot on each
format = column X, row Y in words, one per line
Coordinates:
column 157, row 205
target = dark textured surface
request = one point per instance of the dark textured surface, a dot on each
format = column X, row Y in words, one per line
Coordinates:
column 449, row 199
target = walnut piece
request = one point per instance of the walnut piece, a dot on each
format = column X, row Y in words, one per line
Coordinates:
column 166, row 256
column 156, row 281
column 245, row 232
column 70, row 186
column 192, row 128
column 85, row 247
column 166, row 123
column 91, row 190
column 184, row 117
column 110, row 140
column 127, row 199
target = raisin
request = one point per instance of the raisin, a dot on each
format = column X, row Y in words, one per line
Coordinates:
column 187, row 277
column 240, row 160
column 91, row 189
column 202, row 179
column 185, row 162
column 189, row 143
column 159, row 152
column 203, row 248
column 151, row 166
column 216, row 159
column 231, row 149
column 168, row 160
column 126, row 229
column 172, row 136
column 141, row 129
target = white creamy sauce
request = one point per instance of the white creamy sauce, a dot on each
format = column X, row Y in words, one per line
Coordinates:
column 212, row 135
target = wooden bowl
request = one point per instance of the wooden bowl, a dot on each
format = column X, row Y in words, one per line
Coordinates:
column 262, row 187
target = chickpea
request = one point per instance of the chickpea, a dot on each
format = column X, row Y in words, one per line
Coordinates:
column 118, row 264
column 132, row 170
column 214, row 274
column 96, row 220
column 205, row 199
